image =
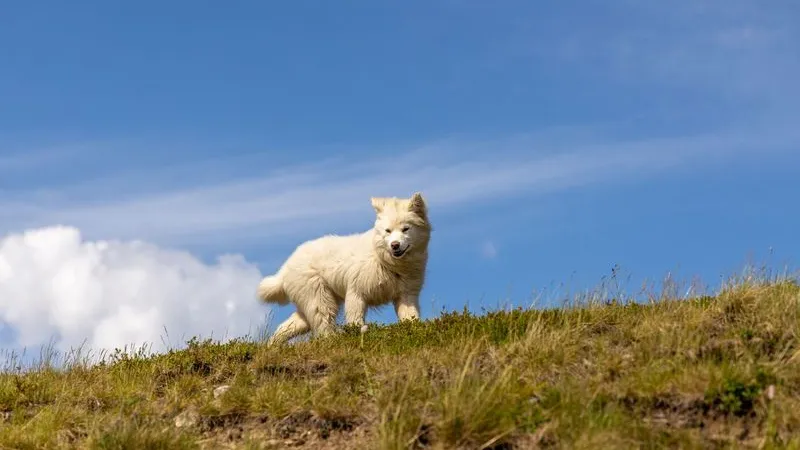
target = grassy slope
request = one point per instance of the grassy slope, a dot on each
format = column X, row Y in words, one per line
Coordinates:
column 709, row 372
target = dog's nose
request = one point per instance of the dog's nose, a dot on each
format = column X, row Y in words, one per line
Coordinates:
column 395, row 245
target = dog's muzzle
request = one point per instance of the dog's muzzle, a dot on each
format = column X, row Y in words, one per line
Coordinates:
column 397, row 251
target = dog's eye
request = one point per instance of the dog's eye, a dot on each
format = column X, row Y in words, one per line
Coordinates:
column 406, row 228
column 387, row 230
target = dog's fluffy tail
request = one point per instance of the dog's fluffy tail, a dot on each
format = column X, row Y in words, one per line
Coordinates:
column 270, row 290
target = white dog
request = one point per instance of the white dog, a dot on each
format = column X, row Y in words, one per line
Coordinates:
column 382, row 265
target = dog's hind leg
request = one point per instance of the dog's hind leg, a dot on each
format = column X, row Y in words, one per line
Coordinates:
column 322, row 308
column 294, row 326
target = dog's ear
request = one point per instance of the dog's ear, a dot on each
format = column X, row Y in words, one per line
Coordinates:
column 416, row 204
column 378, row 203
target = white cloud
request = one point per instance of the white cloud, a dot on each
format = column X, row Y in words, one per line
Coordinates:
column 112, row 294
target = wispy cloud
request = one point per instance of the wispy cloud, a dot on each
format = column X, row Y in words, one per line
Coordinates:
column 292, row 200
column 12, row 160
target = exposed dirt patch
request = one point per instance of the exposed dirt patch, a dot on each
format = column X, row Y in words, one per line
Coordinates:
column 302, row 429
column 322, row 426
column 673, row 411
column 668, row 410
column 310, row 369
column 209, row 424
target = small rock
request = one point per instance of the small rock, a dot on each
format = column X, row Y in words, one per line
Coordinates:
column 771, row 392
column 187, row 418
column 221, row 390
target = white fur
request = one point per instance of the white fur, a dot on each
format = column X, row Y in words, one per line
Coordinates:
column 357, row 271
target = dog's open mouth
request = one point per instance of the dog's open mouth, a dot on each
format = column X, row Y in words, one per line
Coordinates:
column 399, row 252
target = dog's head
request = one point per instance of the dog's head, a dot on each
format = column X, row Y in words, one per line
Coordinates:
column 401, row 225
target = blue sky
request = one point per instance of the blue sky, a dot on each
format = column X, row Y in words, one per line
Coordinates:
column 552, row 140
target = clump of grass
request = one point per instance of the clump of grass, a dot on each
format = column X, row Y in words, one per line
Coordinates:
column 604, row 370
column 476, row 410
column 133, row 434
column 402, row 412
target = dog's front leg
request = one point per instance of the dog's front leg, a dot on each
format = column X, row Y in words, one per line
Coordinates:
column 355, row 309
column 407, row 306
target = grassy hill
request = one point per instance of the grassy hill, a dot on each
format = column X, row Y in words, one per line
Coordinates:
column 709, row 372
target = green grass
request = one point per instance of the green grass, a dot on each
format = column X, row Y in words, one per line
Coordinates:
column 718, row 371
